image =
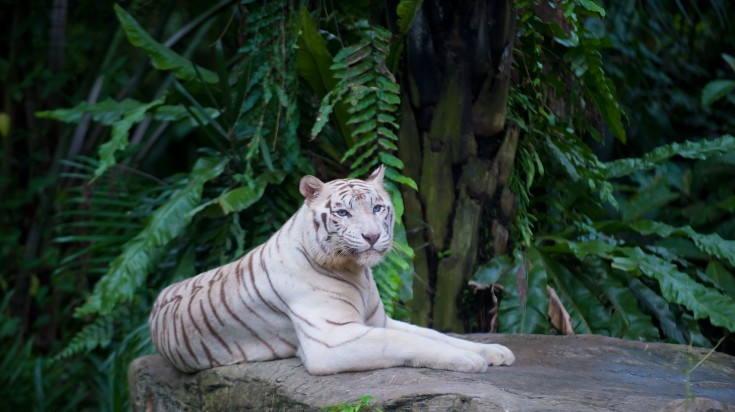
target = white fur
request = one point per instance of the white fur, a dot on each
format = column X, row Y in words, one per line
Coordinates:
column 319, row 300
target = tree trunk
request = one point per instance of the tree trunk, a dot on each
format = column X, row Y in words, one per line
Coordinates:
column 456, row 145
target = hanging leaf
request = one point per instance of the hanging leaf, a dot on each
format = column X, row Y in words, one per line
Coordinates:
column 162, row 57
column 558, row 315
column 312, row 58
column 235, row 200
column 730, row 60
column 592, row 6
column 406, row 11
column 716, row 90
column 722, row 277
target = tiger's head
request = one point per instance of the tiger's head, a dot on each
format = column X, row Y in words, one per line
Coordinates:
column 352, row 219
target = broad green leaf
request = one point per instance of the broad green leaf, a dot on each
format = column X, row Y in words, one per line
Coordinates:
column 647, row 201
column 525, row 302
column 313, row 58
column 730, row 60
column 592, row 6
column 119, row 138
column 722, row 277
column 587, row 312
column 235, row 200
column 701, row 149
column 406, row 11
column 659, row 308
column 161, row 56
column 626, row 319
column 715, row 90
column 129, row 270
column 712, row 244
column 491, row 272
column 678, row 287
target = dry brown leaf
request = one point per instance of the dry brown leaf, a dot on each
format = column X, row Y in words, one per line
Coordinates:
column 558, row 315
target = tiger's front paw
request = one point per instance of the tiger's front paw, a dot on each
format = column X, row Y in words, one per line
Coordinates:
column 457, row 360
column 497, row 355
column 468, row 362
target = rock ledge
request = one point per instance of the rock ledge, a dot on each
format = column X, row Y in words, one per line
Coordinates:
column 552, row 373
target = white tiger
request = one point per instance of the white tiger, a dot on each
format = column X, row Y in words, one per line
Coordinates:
column 308, row 292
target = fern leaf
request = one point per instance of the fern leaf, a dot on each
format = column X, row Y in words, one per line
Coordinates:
column 691, row 150
column 129, row 270
column 678, row 287
column 96, row 334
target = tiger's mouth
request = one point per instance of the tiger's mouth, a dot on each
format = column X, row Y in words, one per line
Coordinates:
column 370, row 257
column 369, row 251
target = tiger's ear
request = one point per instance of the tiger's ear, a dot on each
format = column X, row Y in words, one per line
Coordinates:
column 310, row 187
column 377, row 175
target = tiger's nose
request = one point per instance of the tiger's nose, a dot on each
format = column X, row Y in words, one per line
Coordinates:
column 371, row 237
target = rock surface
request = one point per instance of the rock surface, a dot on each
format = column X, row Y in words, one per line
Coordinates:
column 552, row 373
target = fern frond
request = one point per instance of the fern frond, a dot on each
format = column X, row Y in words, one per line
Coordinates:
column 130, row 269
column 96, row 334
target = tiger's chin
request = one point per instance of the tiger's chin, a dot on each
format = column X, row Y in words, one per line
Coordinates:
column 370, row 257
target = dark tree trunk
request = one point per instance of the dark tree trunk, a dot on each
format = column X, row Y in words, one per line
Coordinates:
column 457, row 146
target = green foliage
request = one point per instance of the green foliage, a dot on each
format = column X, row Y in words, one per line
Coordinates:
column 362, row 404
column 195, row 166
column 189, row 178
column 93, row 335
column 16, row 356
column 128, row 271
column 719, row 88
column 193, row 173
column 162, row 57
column 365, row 98
column 653, row 269
column 661, row 67
column 592, row 257
column 690, row 150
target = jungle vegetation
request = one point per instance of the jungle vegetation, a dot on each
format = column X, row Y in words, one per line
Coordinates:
column 557, row 167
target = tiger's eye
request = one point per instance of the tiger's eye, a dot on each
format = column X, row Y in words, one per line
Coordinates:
column 342, row 213
column 377, row 208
